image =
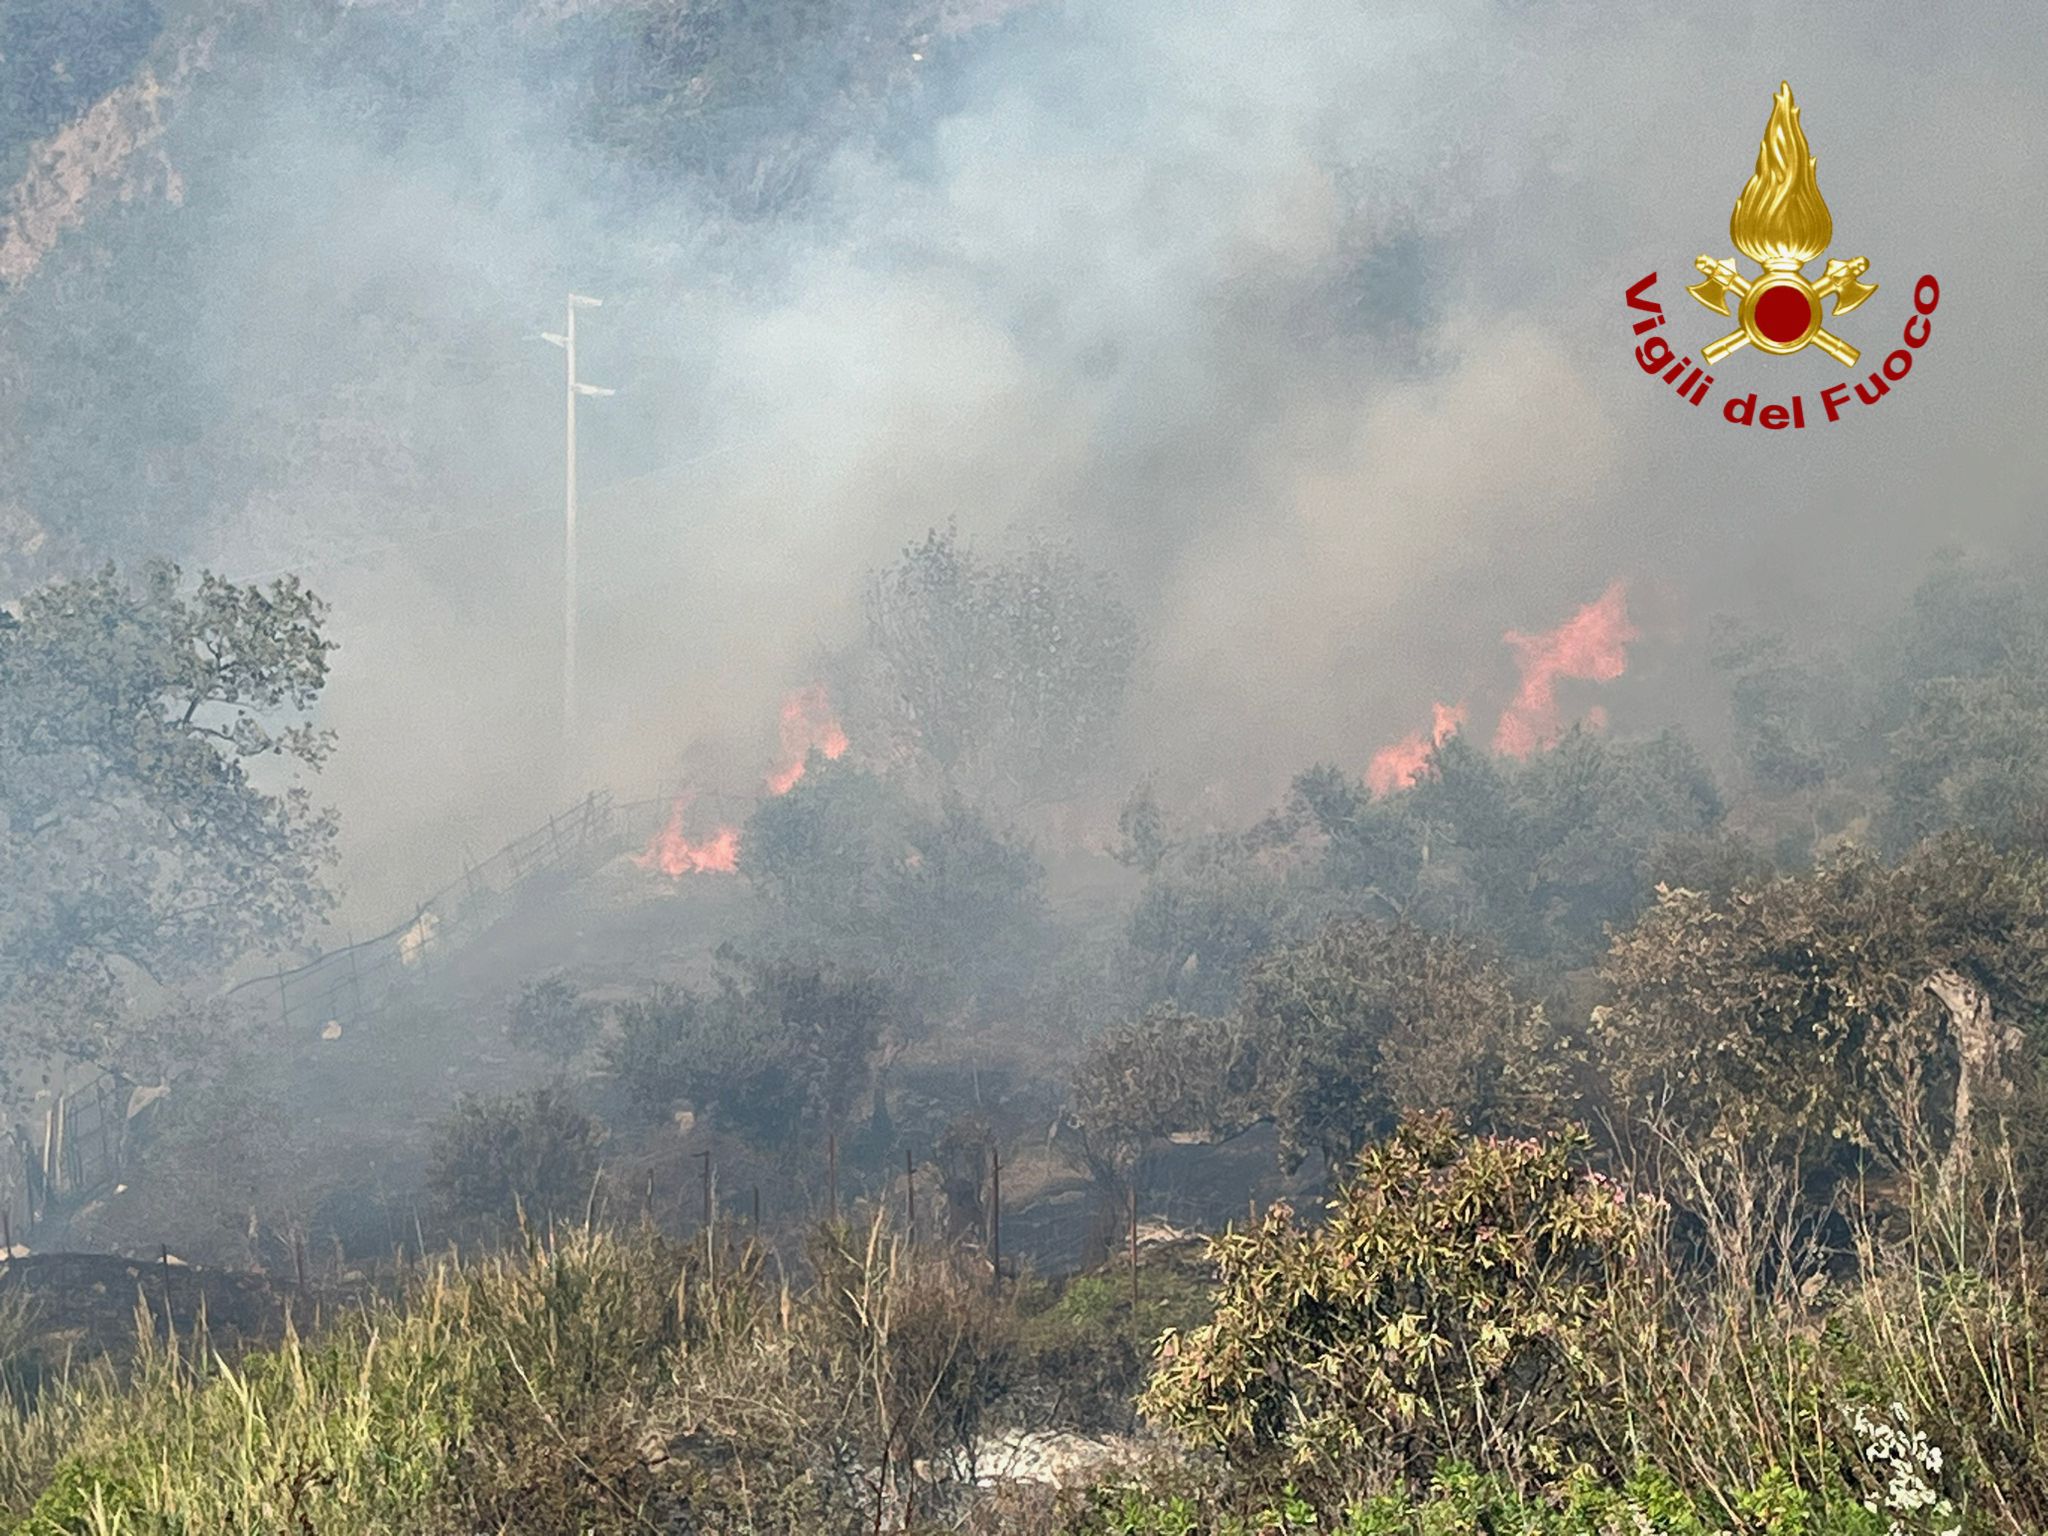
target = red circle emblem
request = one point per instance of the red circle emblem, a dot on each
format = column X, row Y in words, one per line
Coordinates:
column 1783, row 314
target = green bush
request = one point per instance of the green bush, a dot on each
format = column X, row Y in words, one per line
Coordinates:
column 534, row 1152
column 550, row 1017
column 1443, row 1310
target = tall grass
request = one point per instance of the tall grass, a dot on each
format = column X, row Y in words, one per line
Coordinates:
column 1747, row 1375
column 588, row 1382
column 1751, row 1351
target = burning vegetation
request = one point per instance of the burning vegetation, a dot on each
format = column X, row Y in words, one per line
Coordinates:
column 1527, row 1021
column 808, row 726
column 1591, row 646
column 1591, row 1108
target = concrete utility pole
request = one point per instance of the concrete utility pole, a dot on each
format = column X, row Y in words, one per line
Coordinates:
column 567, row 342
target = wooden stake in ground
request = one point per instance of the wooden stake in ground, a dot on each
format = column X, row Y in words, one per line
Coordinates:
column 832, row 1177
column 910, row 1195
column 169, row 1328
column 1134, row 1248
column 995, row 1216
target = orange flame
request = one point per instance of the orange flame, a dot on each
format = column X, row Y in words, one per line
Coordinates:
column 807, row 725
column 1590, row 646
column 675, row 855
column 1400, row 765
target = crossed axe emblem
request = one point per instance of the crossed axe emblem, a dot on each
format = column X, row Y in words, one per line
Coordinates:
column 1782, row 331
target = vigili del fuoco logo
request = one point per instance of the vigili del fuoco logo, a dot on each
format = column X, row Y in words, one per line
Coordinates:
column 1782, row 224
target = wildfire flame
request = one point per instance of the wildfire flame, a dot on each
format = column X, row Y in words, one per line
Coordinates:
column 1781, row 220
column 807, row 725
column 1590, row 646
column 674, row 854
column 1400, row 765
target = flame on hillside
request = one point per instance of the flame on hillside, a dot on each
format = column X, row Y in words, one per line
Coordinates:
column 1590, row 646
column 808, row 725
column 675, row 854
column 1400, row 765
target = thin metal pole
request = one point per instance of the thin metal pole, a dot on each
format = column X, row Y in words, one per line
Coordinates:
column 569, row 534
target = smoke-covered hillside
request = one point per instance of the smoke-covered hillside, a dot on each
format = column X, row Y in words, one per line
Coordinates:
column 1302, row 325
column 1152, row 842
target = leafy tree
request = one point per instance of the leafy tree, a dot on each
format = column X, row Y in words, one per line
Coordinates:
column 1794, row 718
column 1143, row 841
column 1009, row 675
column 1795, row 1014
column 1211, row 909
column 1329, row 1361
column 778, row 1051
column 1965, row 619
column 1369, row 1020
column 141, row 842
column 1973, row 752
column 1165, row 1073
column 1335, row 1038
column 941, row 902
column 1539, row 855
column 1542, row 855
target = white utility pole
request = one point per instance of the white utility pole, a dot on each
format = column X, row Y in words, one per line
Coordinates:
column 567, row 342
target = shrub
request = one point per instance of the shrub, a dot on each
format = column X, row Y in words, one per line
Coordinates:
column 550, row 1017
column 778, row 1051
column 1795, row 1016
column 1442, row 1310
column 534, row 1152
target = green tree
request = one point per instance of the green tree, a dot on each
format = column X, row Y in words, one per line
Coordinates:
column 1367, row 1021
column 551, row 1017
column 1211, row 909
column 153, row 828
column 533, row 1152
column 1795, row 1013
column 1973, row 752
column 1008, row 675
column 1335, row 1038
column 940, row 901
column 1540, row 855
column 1164, row 1073
column 1795, row 717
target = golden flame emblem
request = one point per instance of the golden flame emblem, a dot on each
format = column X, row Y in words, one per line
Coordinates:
column 1781, row 223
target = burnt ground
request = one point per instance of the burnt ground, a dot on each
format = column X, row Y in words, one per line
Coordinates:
column 359, row 1110
column 80, row 1307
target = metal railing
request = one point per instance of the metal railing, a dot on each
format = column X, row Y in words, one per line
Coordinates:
column 355, row 981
